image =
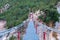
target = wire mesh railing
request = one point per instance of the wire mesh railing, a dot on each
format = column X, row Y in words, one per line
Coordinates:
column 6, row 34
column 47, row 33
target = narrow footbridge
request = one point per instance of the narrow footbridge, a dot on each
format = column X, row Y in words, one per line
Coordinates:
column 30, row 32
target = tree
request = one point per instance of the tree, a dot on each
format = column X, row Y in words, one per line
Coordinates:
column 50, row 17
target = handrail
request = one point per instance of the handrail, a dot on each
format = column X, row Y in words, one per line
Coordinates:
column 11, row 29
column 52, row 29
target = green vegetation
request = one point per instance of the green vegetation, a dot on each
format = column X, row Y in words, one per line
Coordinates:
column 12, row 38
column 50, row 15
column 19, row 9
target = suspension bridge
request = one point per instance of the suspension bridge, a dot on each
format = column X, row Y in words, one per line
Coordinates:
column 31, row 32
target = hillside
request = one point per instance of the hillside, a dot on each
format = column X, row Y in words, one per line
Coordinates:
column 19, row 9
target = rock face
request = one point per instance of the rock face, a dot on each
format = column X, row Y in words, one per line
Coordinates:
column 30, row 32
column 58, row 7
column 6, row 7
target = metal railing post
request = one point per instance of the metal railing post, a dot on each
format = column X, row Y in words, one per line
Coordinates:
column 18, row 35
column 44, row 35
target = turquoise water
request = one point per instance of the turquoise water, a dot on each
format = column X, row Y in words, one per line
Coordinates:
column 30, row 32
